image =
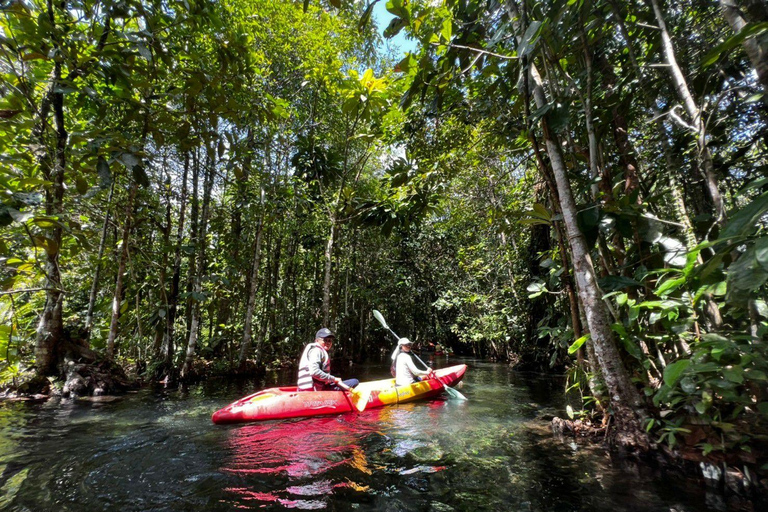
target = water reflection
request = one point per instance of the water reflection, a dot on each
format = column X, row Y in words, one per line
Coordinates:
column 160, row 452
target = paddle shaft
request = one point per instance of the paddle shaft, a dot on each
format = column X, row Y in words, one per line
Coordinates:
column 448, row 389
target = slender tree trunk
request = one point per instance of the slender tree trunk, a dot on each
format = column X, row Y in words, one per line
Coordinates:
column 194, row 236
column 201, row 264
column 160, row 327
column 173, row 299
column 328, row 259
column 97, row 272
column 694, row 113
column 253, row 280
column 117, row 297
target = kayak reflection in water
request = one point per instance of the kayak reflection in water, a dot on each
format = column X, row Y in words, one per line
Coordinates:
column 315, row 366
column 406, row 371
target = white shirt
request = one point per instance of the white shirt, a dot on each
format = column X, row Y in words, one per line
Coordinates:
column 406, row 370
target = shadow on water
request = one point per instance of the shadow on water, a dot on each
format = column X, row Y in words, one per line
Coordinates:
column 159, row 451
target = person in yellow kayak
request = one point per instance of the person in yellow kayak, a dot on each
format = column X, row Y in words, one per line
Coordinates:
column 406, row 370
column 315, row 366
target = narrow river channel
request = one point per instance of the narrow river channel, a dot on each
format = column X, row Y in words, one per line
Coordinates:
column 158, row 450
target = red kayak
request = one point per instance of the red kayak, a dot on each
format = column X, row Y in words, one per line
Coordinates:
column 286, row 402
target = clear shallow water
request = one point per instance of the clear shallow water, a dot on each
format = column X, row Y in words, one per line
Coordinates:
column 158, row 450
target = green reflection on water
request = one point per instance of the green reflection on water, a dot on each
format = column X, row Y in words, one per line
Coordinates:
column 159, row 451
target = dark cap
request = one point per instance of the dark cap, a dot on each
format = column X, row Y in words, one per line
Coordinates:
column 324, row 333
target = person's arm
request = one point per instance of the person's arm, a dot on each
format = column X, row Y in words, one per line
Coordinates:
column 415, row 370
column 315, row 367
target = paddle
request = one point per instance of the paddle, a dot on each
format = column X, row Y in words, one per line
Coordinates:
column 451, row 392
column 362, row 397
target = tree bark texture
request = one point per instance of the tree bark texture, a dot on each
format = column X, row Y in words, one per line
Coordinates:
column 50, row 327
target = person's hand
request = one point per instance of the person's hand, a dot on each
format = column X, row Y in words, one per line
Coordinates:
column 337, row 380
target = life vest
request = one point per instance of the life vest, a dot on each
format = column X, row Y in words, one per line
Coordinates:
column 305, row 381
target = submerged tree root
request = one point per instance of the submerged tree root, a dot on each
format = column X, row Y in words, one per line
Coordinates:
column 735, row 477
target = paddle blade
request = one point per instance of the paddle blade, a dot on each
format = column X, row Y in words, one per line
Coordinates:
column 380, row 318
column 362, row 399
column 453, row 393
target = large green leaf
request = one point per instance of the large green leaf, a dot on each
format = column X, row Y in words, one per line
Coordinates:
column 530, row 38
column 578, row 343
column 616, row 283
column 674, row 371
column 749, row 30
column 744, row 221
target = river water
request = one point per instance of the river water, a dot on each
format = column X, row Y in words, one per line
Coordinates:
column 158, row 450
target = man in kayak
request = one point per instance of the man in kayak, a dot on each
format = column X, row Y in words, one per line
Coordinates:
column 315, row 366
column 406, row 371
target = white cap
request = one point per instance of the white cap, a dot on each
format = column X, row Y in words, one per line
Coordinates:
column 403, row 341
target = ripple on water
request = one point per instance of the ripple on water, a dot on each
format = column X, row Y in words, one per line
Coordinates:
column 159, row 451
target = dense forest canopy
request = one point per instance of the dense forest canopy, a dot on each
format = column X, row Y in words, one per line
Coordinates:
column 196, row 187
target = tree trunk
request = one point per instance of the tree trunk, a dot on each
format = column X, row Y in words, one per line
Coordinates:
column 628, row 407
column 694, row 113
column 97, row 272
column 756, row 47
column 173, row 298
column 328, row 260
column 116, row 299
column 50, row 328
column 194, row 237
column 210, row 170
column 160, row 327
column 245, row 346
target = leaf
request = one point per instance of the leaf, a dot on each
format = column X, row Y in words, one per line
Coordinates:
column 674, row 371
column 734, row 374
column 18, row 216
column 616, row 283
column 129, row 160
column 540, row 211
column 669, row 286
column 102, row 168
column 558, row 118
column 589, row 220
column 50, row 246
column 366, row 17
column 46, row 222
column 744, row 276
column 140, row 176
column 394, row 28
column 409, row 62
column 576, row 345
column 447, row 29
column 743, row 222
column 81, row 185
column 144, row 51
column 536, row 288
column 750, row 29
column 761, row 252
column 631, row 347
column 528, row 42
